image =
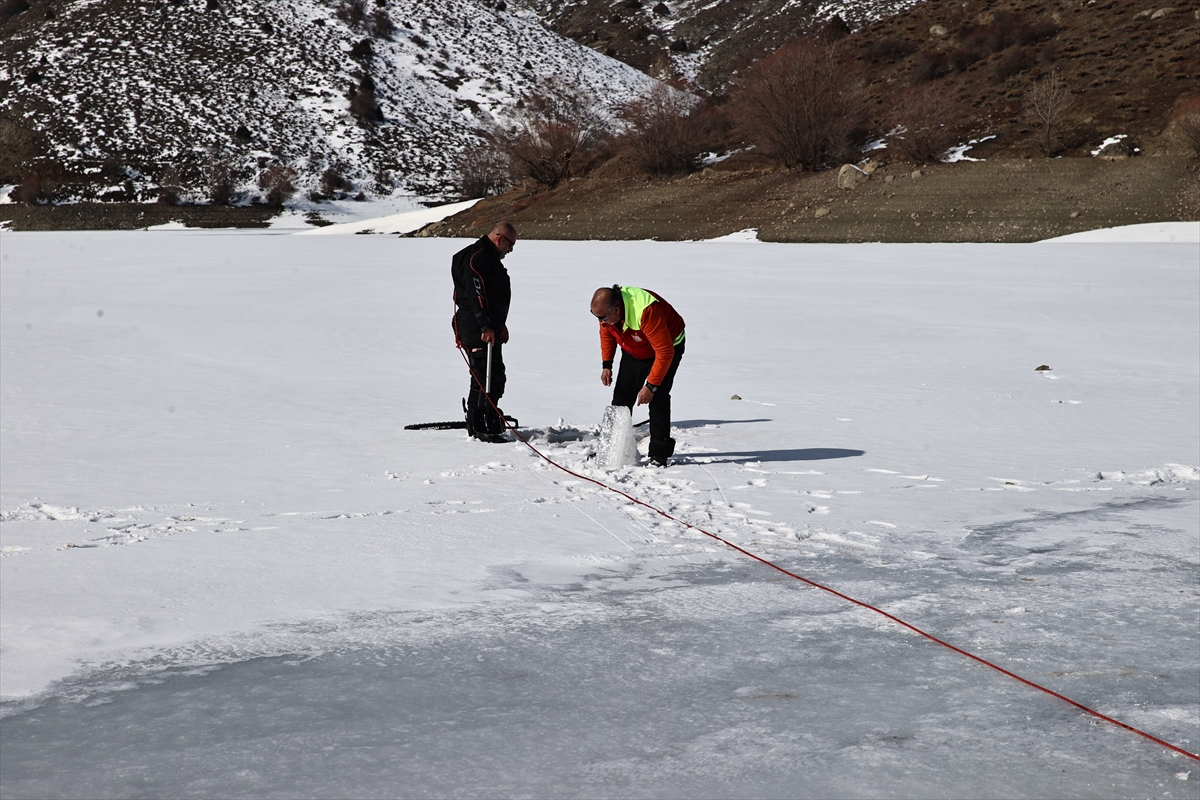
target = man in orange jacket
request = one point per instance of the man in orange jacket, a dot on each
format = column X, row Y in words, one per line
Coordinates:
column 651, row 334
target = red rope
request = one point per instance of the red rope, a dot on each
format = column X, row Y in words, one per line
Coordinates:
column 834, row 592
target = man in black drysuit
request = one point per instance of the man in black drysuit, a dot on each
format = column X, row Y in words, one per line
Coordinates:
column 482, row 295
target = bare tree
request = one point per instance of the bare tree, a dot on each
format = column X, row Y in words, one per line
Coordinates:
column 555, row 133
column 221, row 176
column 1045, row 103
column 483, row 170
column 801, row 105
column 1186, row 122
column 930, row 119
column 669, row 130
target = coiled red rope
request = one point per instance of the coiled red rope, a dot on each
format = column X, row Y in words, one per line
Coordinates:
column 823, row 588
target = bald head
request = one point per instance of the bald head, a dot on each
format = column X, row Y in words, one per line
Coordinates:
column 503, row 237
column 605, row 302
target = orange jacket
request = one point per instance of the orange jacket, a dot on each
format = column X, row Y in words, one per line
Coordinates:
column 654, row 335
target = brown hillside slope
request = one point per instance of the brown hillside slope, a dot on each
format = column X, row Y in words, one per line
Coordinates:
column 1126, row 66
column 1005, row 200
column 1125, row 63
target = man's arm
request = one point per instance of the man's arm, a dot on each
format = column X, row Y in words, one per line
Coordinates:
column 473, row 292
column 608, row 350
column 654, row 327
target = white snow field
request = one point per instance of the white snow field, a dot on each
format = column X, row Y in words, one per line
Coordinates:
column 229, row 572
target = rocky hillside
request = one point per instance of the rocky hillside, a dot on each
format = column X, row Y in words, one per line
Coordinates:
column 114, row 99
column 702, row 40
column 1117, row 158
column 1125, row 64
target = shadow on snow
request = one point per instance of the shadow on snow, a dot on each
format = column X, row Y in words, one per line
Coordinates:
column 803, row 454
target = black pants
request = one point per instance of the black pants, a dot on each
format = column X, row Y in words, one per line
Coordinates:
column 631, row 377
column 481, row 416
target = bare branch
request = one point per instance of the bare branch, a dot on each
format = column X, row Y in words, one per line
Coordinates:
column 1045, row 103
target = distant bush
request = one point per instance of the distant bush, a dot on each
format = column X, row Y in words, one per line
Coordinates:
column 30, row 190
column 169, row 189
column 1012, row 63
column 669, row 131
column 889, row 49
column 979, row 41
column 960, row 58
column 334, row 184
column 982, row 40
column 1007, row 28
column 279, row 184
column 382, row 26
column 483, row 170
column 1186, row 122
column 362, row 51
column 556, row 133
column 222, row 177
column 931, row 121
column 801, row 105
column 352, row 12
column 384, row 183
column 363, row 103
column 834, row 30
column 931, row 65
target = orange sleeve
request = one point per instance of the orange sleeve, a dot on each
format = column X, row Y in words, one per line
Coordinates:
column 654, row 326
column 608, row 343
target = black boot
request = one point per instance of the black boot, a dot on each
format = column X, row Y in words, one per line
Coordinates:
column 661, row 451
column 483, row 422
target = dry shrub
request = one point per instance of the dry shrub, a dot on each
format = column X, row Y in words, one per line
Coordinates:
column 363, row 51
column 169, row 189
column 1007, row 28
column 979, row 41
column 931, row 65
column 889, row 49
column 279, row 184
column 982, row 40
column 221, row 178
column 30, row 190
column 1012, row 63
column 932, row 120
column 1186, row 122
column 961, row 57
column 555, row 134
column 835, row 29
column 483, row 170
column 669, row 131
column 801, row 105
column 334, row 184
column 352, row 12
column 382, row 26
column 363, row 103
column 1045, row 103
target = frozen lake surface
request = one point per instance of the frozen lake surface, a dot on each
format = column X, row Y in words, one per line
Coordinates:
column 228, row 571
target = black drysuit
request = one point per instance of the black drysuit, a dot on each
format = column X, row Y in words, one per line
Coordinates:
column 482, row 294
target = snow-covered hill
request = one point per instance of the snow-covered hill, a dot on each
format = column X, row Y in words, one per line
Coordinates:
column 129, row 95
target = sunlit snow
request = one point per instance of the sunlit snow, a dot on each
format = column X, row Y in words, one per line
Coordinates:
column 226, row 569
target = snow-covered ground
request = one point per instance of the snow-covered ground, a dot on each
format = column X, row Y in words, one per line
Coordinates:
column 1182, row 232
column 228, row 571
